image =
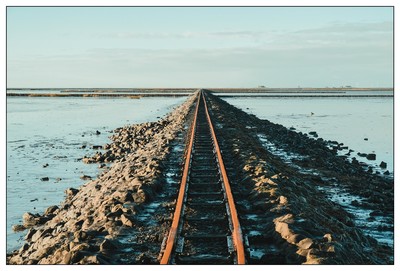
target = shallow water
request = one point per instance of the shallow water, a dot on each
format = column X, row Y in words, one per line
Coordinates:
column 347, row 120
column 340, row 196
column 52, row 131
column 295, row 93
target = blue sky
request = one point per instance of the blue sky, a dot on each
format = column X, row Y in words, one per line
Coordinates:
column 199, row 47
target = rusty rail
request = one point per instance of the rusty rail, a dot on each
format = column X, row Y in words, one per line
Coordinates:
column 236, row 247
column 182, row 190
column 237, row 231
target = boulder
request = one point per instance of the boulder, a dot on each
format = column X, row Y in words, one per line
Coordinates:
column 140, row 196
column 51, row 210
column 30, row 233
column 94, row 259
column 306, row 243
column 371, row 156
column 30, row 219
column 107, row 245
column 126, row 220
column 86, row 177
column 18, row 228
column 328, row 237
column 71, row 192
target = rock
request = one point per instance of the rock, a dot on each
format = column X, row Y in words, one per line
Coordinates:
column 30, row 219
column 107, row 245
column 71, row 192
column 376, row 213
column 94, row 259
column 302, row 252
column 355, row 203
column 67, row 258
column 295, row 238
column 283, row 200
column 127, row 221
column 113, row 214
column 313, row 133
column 366, row 139
column 23, row 248
column 97, row 147
column 386, row 172
column 125, row 196
column 328, row 237
column 36, row 235
column 371, row 156
column 143, row 259
column 77, row 247
column 97, row 132
column 44, row 179
column 80, row 235
column 306, row 243
column 51, row 210
column 29, row 234
column 383, row 165
column 86, row 177
column 18, row 228
column 74, row 257
column 362, row 154
column 45, row 165
column 140, row 196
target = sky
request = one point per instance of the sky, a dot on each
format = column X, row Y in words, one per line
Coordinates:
column 199, row 47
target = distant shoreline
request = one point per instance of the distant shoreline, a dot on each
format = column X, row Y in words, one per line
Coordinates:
column 191, row 90
column 135, row 93
column 94, row 95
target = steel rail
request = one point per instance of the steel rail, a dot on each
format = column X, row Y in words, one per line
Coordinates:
column 176, row 226
column 181, row 196
column 237, row 231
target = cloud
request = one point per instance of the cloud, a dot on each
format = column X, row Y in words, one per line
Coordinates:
column 378, row 34
column 240, row 66
column 355, row 53
column 345, row 28
column 185, row 35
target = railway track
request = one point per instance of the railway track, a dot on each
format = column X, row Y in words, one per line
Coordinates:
column 205, row 228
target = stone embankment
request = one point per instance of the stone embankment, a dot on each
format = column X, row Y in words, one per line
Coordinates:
column 283, row 206
column 294, row 212
column 82, row 229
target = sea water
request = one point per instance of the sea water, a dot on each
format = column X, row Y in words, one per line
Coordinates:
column 364, row 124
column 47, row 136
